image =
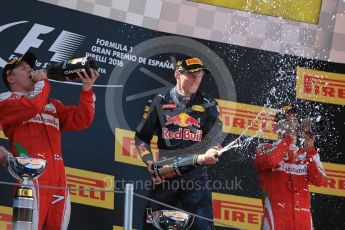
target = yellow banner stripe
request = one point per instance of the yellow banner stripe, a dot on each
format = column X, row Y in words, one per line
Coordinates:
column 303, row 11
column 5, row 218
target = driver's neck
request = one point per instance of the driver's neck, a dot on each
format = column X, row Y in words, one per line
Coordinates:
column 20, row 90
column 183, row 92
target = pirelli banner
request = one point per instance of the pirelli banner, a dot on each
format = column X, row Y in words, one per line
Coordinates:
column 335, row 180
column 135, row 64
column 5, row 218
column 89, row 188
column 249, row 120
column 125, row 150
column 320, row 86
column 237, row 211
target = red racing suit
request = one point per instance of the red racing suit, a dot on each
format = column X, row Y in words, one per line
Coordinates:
column 284, row 173
column 33, row 125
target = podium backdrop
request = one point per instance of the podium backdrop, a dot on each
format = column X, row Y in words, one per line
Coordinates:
column 135, row 63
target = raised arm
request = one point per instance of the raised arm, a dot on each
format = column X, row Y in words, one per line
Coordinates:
column 268, row 156
column 80, row 116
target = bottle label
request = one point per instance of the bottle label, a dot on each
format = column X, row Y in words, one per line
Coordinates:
column 175, row 164
column 73, row 71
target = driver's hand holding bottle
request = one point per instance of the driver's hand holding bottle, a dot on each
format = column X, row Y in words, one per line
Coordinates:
column 307, row 136
column 4, row 156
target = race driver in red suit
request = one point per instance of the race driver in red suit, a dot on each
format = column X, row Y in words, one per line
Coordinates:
column 285, row 171
column 33, row 123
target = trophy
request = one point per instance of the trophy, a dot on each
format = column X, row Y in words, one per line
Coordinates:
column 169, row 219
column 24, row 169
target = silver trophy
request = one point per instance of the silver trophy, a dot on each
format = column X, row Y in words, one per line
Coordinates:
column 169, row 219
column 24, row 169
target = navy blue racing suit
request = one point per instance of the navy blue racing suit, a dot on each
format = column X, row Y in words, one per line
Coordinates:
column 183, row 125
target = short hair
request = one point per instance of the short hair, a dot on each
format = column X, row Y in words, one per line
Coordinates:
column 283, row 112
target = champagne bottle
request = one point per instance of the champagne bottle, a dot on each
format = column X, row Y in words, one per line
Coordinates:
column 67, row 70
column 173, row 167
column 319, row 125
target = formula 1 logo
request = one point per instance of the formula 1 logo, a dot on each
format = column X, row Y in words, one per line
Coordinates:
column 183, row 120
column 63, row 47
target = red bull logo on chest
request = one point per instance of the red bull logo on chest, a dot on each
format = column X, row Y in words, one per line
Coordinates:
column 184, row 121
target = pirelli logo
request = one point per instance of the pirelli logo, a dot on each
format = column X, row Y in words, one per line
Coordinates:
column 125, row 150
column 2, row 135
column 335, row 180
column 5, row 218
column 92, row 183
column 237, row 211
column 320, row 86
column 249, row 120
